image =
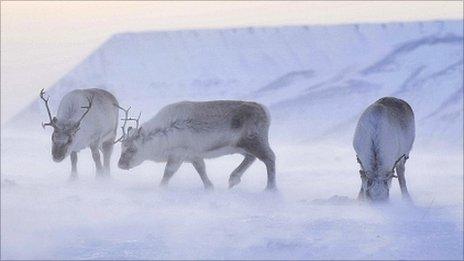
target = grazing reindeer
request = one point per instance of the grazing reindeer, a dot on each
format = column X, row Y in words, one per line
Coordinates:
column 382, row 141
column 192, row 131
column 75, row 129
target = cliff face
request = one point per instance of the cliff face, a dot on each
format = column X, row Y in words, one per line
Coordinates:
column 316, row 80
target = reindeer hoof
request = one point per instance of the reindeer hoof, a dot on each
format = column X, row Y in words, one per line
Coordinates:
column 233, row 181
column 209, row 187
column 72, row 178
column 271, row 188
column 408, row 199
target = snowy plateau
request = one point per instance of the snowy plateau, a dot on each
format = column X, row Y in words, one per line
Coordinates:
column 316, row 81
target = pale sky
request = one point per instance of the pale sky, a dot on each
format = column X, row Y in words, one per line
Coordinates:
column 41, row 41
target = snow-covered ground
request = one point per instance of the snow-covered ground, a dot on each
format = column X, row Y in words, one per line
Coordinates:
column 313, row 216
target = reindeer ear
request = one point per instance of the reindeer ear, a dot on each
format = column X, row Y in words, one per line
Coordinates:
column 144, row 134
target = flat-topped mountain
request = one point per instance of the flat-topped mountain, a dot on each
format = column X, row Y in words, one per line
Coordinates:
column 323, row 76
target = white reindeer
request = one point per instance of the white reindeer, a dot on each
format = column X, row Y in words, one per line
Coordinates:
column 192, row 131
column 75, row 129
column 383, row 139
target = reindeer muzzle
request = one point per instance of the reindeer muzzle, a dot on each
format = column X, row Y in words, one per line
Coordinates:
column 58, row 158
column 123, row 165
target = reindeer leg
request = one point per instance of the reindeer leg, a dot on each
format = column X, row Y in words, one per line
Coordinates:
column 269, row 161
column 236, row 175
column 107, row 149
column 361, row 194
column 199, row 165
column 73, row 157
column 171, row 167
column 96, row 159
column 402, row 180
column 258, row 147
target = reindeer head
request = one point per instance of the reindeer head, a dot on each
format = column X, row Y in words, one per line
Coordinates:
column 376, row 183
column 64, row 130
column 132, row 149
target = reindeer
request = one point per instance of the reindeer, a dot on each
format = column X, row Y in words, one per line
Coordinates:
column 75, row 129
column 383, row 139
column 192, row 131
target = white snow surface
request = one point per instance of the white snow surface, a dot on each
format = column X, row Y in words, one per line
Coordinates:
column 312, row 216
column 316, row 80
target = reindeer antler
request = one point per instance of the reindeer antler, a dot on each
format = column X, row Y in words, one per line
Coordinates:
column 397, row 161
column 363, row 171
column 123, row 127
column 51, row 123
column 126, row 119
column 360, row 163
column 392, row 172
column 90, row 100
column 136, row 120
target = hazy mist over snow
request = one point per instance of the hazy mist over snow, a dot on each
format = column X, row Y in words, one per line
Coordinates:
column 316, row 80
